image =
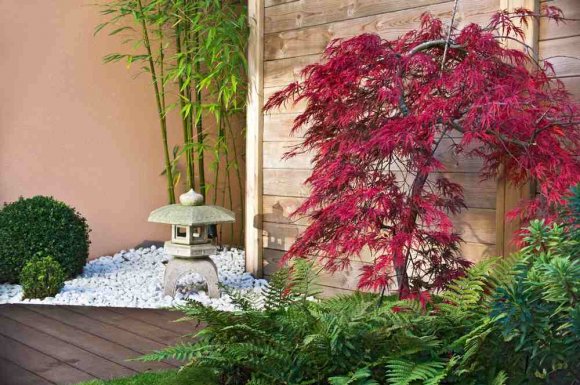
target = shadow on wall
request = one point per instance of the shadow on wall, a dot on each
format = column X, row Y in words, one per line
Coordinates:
column 280, row 231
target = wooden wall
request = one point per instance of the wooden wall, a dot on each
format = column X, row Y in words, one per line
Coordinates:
column 295, row 32
column 561, row 43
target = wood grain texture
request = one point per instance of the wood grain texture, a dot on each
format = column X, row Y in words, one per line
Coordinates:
column 277, row 128
column 76, row 357
column 453, row 162
column 551, row 30
column 131, row 340
column 348, row 279
column 288, row 108
column 290, row 183
column 313, row 40
column 271, row 3
column 12, row 374
column 564, row 54
column 254, row 130
column 573, row 86
column 305, row 13
column 285, row 71
column 474, row 225
column 42, row 365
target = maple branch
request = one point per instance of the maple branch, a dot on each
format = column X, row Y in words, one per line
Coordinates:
column 433, row 43
column 449, row 35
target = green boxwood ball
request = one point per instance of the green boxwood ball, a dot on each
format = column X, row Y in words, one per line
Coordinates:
column 41, row 277
column 41, row 225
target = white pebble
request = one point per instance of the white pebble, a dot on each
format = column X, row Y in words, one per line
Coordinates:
column 134, row 278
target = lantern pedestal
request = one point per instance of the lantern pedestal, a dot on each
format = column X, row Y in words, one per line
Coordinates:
column 178, row 267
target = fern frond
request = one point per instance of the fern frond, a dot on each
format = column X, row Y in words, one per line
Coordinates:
column 180, row 352
column 500, row 379
column 403, row 372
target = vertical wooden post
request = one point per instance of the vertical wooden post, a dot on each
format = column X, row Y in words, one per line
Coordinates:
column 254, row 128
column 509, row 196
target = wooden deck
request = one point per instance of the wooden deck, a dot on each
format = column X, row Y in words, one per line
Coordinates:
column 41, row 345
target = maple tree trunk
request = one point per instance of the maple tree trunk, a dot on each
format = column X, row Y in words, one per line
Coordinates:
column 409, row 226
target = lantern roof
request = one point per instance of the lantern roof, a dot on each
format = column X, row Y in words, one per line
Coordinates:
column 179, row 214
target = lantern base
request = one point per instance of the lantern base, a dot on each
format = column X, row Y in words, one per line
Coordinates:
column 178, row 267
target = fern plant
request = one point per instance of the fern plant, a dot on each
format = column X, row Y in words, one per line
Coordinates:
column 513, row 320
column 341, row 340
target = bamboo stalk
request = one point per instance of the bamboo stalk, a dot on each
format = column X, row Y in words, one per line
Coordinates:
column 199, row 122
column 217, row 159
column 185, row 121
column 160, row 107
column 238, row 174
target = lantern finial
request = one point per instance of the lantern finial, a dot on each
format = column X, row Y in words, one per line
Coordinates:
column 191, row 198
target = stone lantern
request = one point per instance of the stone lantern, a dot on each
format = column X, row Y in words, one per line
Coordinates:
column 192, row 230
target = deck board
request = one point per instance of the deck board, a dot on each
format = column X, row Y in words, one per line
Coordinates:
column 13, row 374
column 42, row 345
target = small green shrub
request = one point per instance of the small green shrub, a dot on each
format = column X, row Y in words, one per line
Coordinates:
column 539, row 310
column 41, row 225
column 42, row 277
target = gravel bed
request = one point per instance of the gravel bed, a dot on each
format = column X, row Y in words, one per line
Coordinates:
column 134, row 278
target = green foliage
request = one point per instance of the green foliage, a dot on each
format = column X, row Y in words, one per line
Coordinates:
column 513, row 320
column 194, row 51
column 342, row 340
column 538, row 312
column 185, row 376
column 362, row 376
column 42, row 277
column 41, row 225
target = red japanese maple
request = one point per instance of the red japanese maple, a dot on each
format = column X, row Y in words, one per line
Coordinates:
column 376, row 112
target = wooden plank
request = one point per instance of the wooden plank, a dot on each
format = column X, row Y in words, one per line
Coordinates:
column 564, row 54
column 277, row 128
column 476, row 252
column 473, row 252
column 273, row 154
column 305, row 13
column 133, row 325
column 285, row 71
column 290, row 183
column 122, row 337
column 12, row 374
column 288, row 108
column 254, row 132
column 40, row 364
column 474, row 225
column 271, row 3
column 161, row 318
column 573, row 86
column 508, row 196
column 550, row 30
column 80, row 338
column 278, row 209
column 313, row 40
column 346, row 280
column 76, row 357
column 453, row 162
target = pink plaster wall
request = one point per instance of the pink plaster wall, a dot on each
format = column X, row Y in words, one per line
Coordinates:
column 74, row 128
